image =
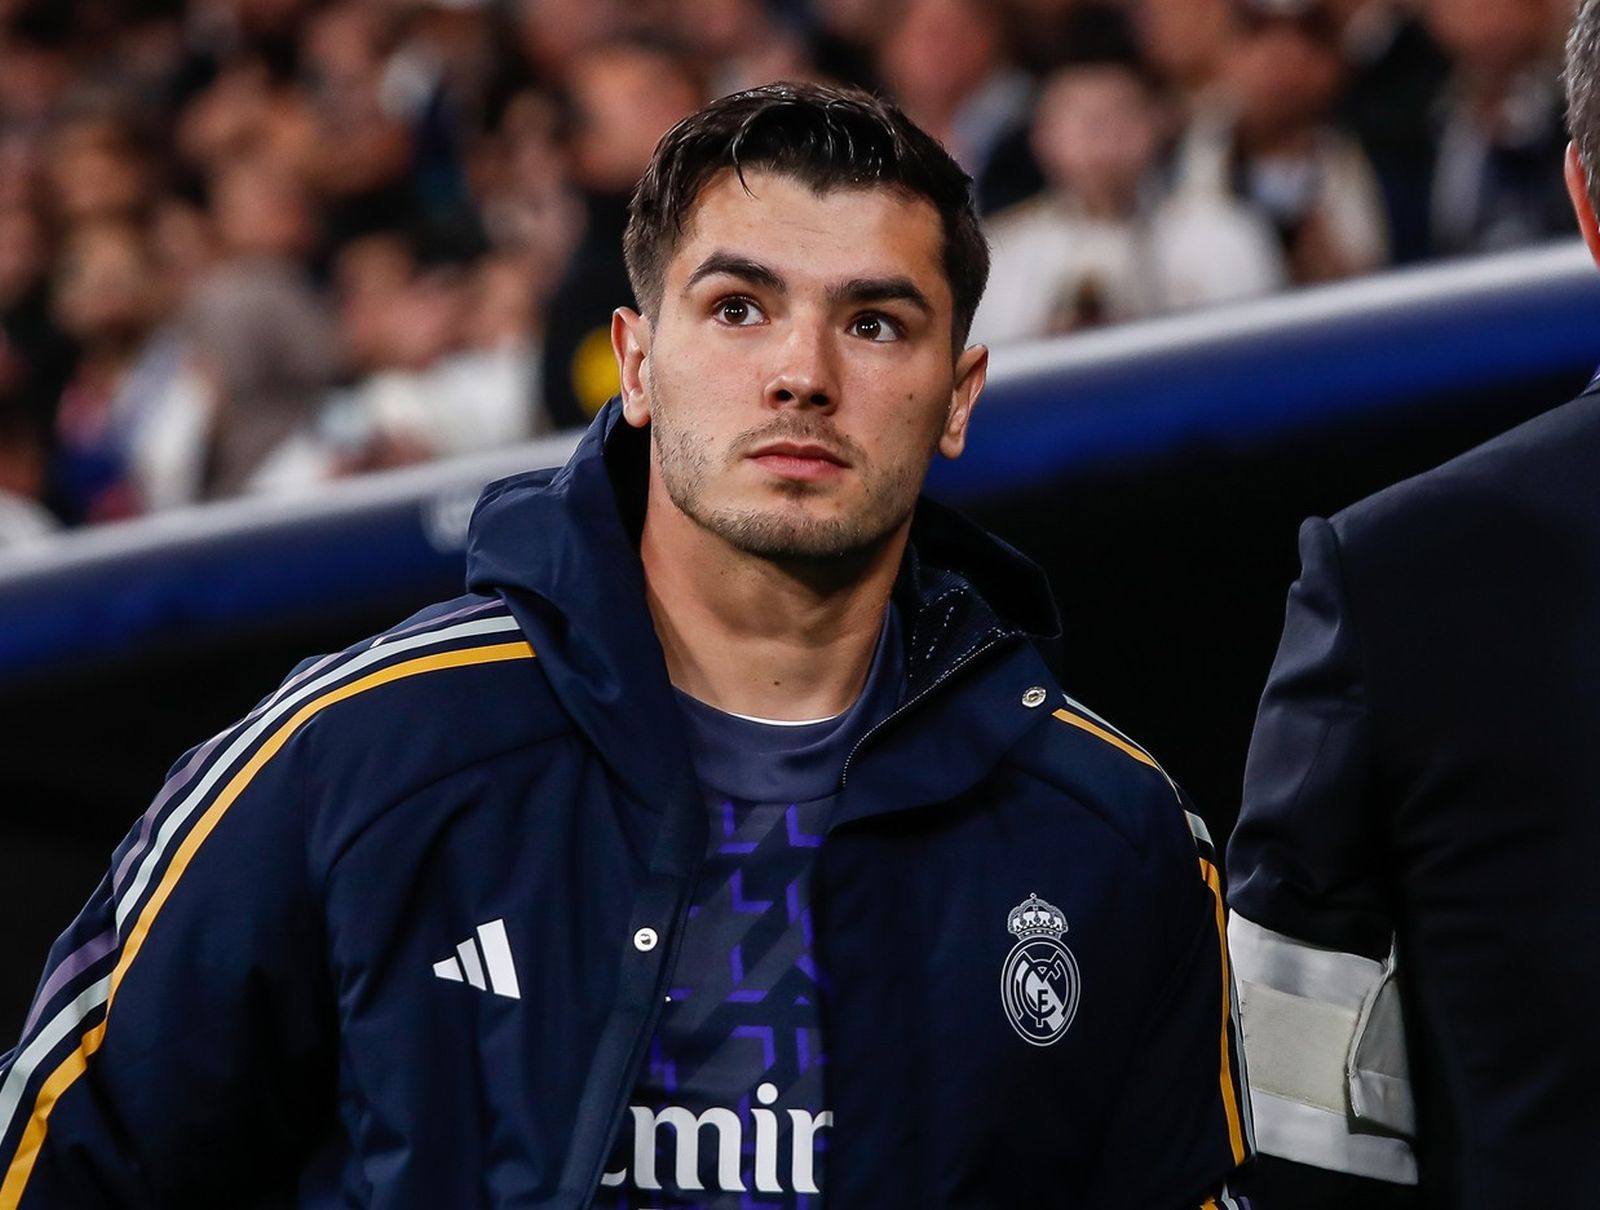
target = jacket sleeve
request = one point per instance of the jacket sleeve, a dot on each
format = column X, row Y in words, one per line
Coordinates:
column 178, row 1051
column 1182, row 1122
column 1311, row 934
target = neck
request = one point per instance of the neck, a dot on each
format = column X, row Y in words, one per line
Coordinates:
column 1288, row 140
column 754, row 636
column 1486, row 90
column 104, row 364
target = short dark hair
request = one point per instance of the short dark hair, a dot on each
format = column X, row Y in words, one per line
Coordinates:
column 1583, row 91
column 826, row 138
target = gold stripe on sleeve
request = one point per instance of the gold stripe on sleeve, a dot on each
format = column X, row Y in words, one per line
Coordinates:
column 1230, row 1090
column 76, row 1063
column 1116, row 741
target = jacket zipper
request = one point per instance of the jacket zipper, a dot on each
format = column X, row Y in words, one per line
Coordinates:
column 910, row 703
column 669, row 962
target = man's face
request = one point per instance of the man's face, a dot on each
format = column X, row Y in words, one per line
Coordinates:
column 1095, row 131
column 799, row 375
column 1283, row 75
column 1494, row 35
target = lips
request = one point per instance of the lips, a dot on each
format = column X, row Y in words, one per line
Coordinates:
column 799, row 461
column 801, row 450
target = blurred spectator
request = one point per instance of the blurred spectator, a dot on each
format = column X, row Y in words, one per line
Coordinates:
column 945, row 62
column 622, row 98
column 97, row 170
column 35, row 64
column 1396, row 73
column 21, row 166
column 439, row 82
column 552, row 34
column 525, row 193
column 146, row 58
column 361, row 158
column 739, row 44
column 843, row 39
column 442, row 362
column 23, row 457
column 493, row 381
column 1185, row 43
column 249, row 113
column 1497, row 177
column 131, row 419
column 1267, row 136
column 258, row 332
column 185, row 242
column 39, row 356
column 1105, row 242
column 266, row 31
column 398, row 319
column 1042, row 35
column 452, row 177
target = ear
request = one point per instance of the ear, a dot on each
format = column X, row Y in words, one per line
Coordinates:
column 630, row 341
column 1582, row 203
column 972, row 371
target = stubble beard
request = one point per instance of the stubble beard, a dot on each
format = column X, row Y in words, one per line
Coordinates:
column 783, row 532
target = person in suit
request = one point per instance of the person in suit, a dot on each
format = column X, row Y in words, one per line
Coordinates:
column 1414, row 903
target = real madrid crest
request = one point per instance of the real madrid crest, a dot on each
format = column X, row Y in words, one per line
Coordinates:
column 1039, row 981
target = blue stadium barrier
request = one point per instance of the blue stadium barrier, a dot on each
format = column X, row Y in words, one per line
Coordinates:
column 1213, row 380
column 1251, row 372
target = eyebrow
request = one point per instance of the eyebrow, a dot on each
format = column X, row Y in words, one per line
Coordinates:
column 881, row 289
column 727, row 264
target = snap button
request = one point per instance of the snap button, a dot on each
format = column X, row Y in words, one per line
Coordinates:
column 1034, row 697
column 645, row 940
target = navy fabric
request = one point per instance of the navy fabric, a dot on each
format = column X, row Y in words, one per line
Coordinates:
column 741, row 1028
column 743, row 758
column 1420, row 773
column 404, row 937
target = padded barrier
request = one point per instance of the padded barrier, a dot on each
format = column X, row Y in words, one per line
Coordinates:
column 1218, row 379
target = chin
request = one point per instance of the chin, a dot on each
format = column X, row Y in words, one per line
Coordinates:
column 782, row 536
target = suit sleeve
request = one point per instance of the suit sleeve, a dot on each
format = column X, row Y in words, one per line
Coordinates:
column 1182, row 1122
column 1311, row 934
column 178, row 1051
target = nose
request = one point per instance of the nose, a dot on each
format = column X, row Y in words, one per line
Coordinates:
column 805, row 374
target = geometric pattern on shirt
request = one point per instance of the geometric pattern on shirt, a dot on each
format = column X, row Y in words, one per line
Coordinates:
column 743, row 1009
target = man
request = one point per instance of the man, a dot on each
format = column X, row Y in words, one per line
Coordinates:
column 621, row 98
column 1105, row 242
column 1495, row 161
column 1267, row 137
column 1413, row 904
column 678, row 864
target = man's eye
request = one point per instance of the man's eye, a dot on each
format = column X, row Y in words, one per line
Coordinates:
column 877, row 328
column 739, row 312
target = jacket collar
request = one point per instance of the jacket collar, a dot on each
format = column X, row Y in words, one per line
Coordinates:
column 561, row 548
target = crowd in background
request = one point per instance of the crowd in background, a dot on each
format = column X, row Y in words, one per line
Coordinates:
column 252, row 245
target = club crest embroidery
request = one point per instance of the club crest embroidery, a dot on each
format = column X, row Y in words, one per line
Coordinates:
column 1039, row 983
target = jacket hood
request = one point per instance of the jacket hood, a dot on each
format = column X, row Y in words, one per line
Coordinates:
column 570, row 537
column 561, row 547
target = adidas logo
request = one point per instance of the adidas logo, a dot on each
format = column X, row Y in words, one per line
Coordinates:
column 493, row 971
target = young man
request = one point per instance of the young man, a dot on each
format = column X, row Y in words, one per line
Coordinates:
column 730, row 843
column 1105, row 241
column 1412, row 875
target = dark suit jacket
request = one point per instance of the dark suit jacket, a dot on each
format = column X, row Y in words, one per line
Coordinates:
column 1426, row 767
